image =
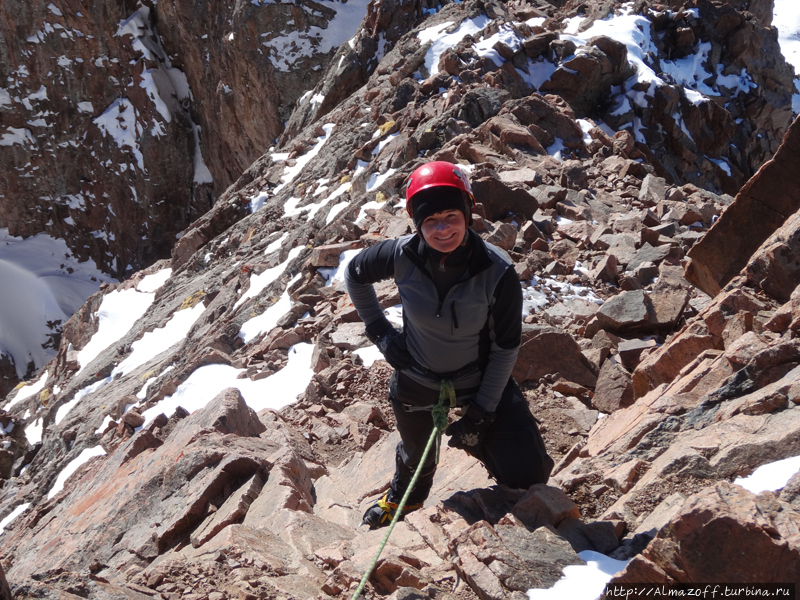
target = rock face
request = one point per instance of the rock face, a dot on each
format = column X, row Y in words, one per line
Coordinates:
column 761, row 207
column 687, row 549
column 226, row 442
column 113, row 135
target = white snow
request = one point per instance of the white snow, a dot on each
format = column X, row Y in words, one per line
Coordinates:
column 13, row 515
column 689, row 72
column 38, row 287
column 542, row 293
column 259, row 282
column 377, row 179
column 274, row 392
column 103, row 425
column 786, row 17
column 336, row 274
column 33, row 432
column 572, row 24
column 630, row 29
column 772, row 476
column 582, row 582
column 276, row 245
column 556, row 149
column 160, row 339
column 504, row 35
column 291, row 45
column 722, row 164
column 443, row 42
column 64, row 409
column 369, row 354
column 120, row 122
column 74, row 465
column 264, row 322
column 28, row 390
column 290, row 173
column 15, row 135
column 118, row 312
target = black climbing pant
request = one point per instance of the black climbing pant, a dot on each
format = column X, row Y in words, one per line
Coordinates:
column 512, row 451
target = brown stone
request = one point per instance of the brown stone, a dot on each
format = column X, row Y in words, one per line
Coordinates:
column 688, row 548
column 761, row 207
column 328, row 255
column 5, row 591
column 614, row 389
column 775, row 266
column 624, row 476
column 545, row 505
column 232, row 511
column 547, row 350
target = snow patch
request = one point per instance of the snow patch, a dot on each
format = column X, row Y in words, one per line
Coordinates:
column 84, row 457
column 273, row 392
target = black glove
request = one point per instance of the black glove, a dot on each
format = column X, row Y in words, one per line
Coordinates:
column 390, row 342
column 469, row 430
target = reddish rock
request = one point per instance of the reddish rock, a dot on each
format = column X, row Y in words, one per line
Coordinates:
column 761, row 208
column 5, row 591
column 547, row 350
column 688, row 548
column 614, row 389
column 775, row 266
column 624, row 476
column 545, row 505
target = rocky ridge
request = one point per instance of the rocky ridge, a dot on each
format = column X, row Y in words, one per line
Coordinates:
column 109, row 114
column 251, row 496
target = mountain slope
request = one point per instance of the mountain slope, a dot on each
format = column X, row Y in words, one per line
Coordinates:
column 132, row 468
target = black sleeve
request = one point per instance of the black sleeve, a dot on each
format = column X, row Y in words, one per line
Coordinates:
column 373, row 264
column 367, row 267
column 507, row 310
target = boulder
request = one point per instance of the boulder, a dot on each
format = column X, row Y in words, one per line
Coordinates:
column 499, row 198
column 548, row 350
column 626, row 311
column 761, row 207
column 775, row 266
column 614, row 388
column 205, row 453
column 687, row 549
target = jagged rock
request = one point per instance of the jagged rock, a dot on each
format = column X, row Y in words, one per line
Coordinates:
column 774, row 266
column 630, row 351
column 545, row 505
column 761, row 207
column 718, row 398
column 653, row 191
column 5, row 591
column 148, row 523
column 687, row 549
column 614, row 389
column 499, row 199
column 626, row 311
column 546, row 350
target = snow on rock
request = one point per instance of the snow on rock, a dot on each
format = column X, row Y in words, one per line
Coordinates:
column 275, row 391
column 42, row 284
column 118, row 312
column 84, row 457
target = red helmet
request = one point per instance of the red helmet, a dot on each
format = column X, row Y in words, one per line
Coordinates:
column 437, row 173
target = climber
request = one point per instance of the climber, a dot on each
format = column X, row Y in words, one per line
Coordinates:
column 462, row 306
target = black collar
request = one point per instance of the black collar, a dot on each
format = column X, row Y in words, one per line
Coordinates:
column 419, row 252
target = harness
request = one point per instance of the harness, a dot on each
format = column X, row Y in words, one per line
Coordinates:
column 443, row 379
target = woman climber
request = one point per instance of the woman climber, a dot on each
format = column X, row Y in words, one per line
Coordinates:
column 462, row 305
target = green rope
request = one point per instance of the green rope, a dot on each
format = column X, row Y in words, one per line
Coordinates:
column 447, row 400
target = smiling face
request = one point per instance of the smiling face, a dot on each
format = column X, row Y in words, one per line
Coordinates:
column 444, row 231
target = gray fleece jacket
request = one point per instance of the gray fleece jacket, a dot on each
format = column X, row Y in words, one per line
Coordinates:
column 477, row 321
